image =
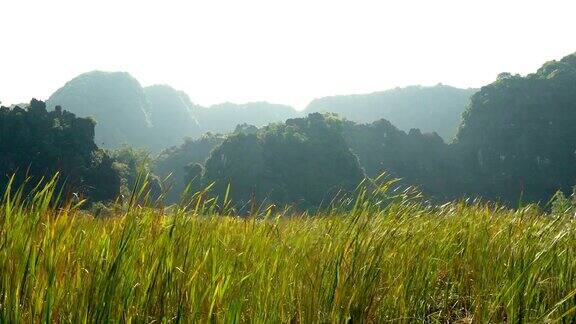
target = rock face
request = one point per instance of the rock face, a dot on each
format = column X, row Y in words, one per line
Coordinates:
column 430, row 109
column 173, row 116
column 115, row 100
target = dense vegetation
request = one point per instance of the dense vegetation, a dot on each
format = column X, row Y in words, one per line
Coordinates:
column 36, row 144
column 291, row 221
column 174, row 164
column 160, row 116
column 515, row 144
column 132, row 164
column 518, row 135
column 388, row 258
column 304, row 161
column 430, row 109
column 422, row 160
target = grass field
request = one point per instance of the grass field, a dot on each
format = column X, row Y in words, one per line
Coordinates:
column 383, row 259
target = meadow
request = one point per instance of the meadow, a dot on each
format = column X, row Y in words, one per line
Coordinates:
column 376, row 256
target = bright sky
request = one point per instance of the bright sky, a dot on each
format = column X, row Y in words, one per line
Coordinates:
column 280, row 51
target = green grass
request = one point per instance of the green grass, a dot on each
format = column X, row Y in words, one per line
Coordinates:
column 383, row 259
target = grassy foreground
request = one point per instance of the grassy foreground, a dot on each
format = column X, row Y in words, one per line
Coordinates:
column 395, row 260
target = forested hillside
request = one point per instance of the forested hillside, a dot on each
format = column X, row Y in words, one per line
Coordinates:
column 430, row 109
column 304, row 161
column 421, row 160
column 174, row 164
column 518, row 135
column 36, row 144
column 515, row 143
column 158, row 117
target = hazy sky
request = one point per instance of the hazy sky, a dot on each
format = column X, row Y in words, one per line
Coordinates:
column 279, row 51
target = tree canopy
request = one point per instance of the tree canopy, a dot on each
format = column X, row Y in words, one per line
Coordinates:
column 177, row 162
column 304, row 161
column 36, row 143
column 518, row 136
column 421, row 160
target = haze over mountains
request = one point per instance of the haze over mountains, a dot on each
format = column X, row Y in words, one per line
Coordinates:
column 515, row 140
column 430, row 109
column 159, row 116
column 173, row 116
column 115, row 100
column 154, row 117
column 516, row 143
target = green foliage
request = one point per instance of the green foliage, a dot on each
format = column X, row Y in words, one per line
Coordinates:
column 304, row 161
column 246, row 129
column 131, row 163
column 398, row 261
column 171, row 165
column 516, row 142
column 562, row 205
column 37, row 144
column 194, row 172
column 430, row 109
column 422, row 160
column 517, row 138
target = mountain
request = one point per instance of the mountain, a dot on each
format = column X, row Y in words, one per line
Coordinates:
column 517, row 137
column 173, row 116
column 155, row 117
column 430, row 109
column 224, row 118
column 115, row 100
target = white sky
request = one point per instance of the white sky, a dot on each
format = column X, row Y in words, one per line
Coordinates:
column 279, row 51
